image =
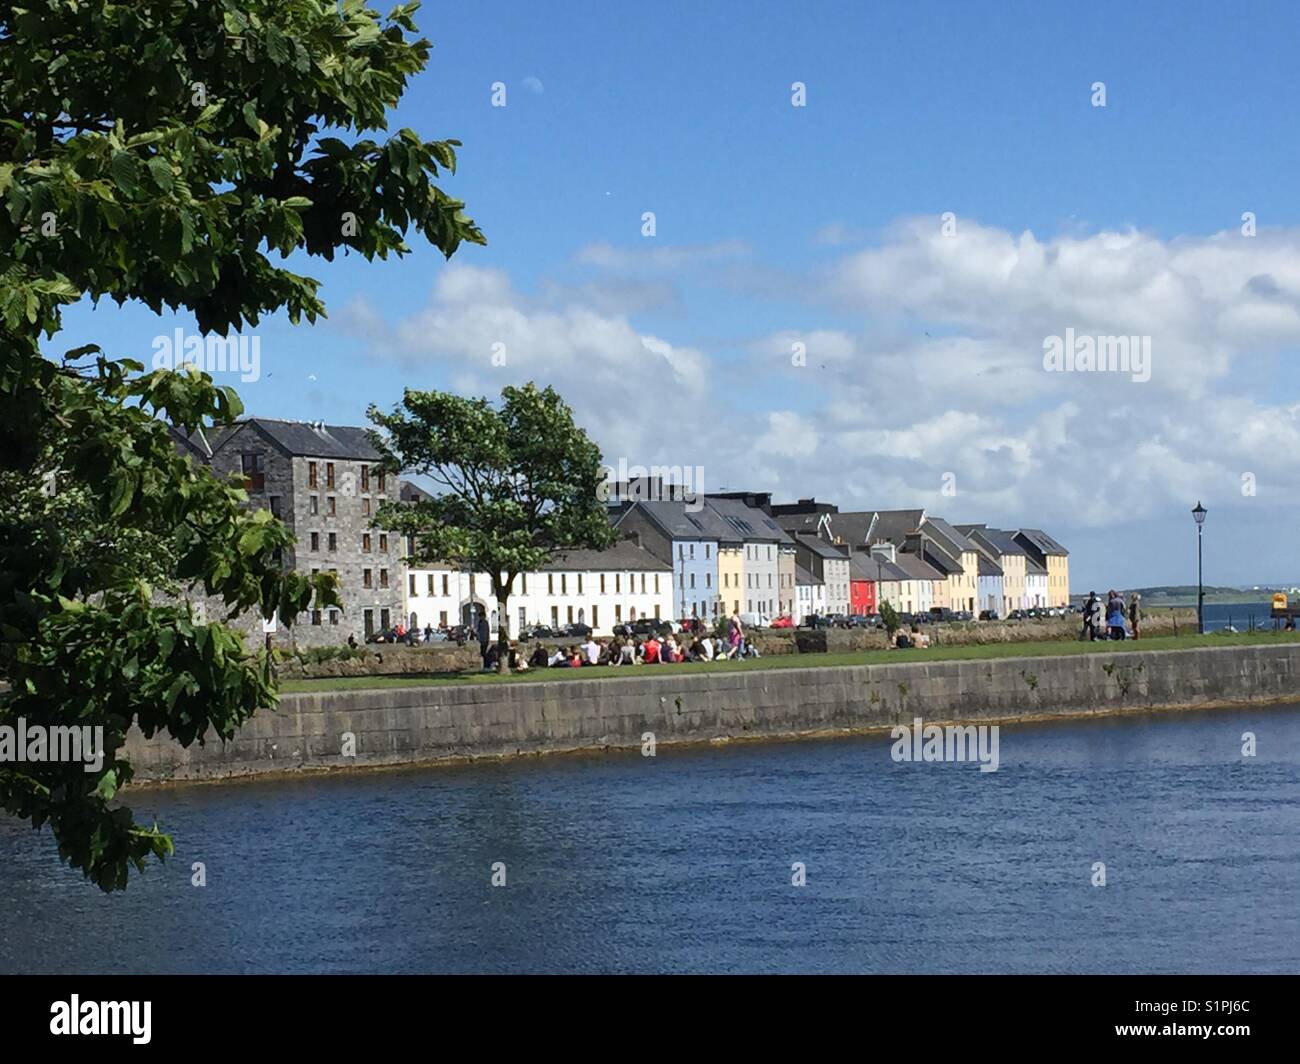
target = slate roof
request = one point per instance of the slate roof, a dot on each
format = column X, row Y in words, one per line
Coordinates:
column 803, row 576
column 302, row 439
column 988, row 567
column 819, row 546
column 917, row 568
column 892, row 525
column 1040, row 542
column 677, row 522
column 949, row 538
column 746, row 521
column 862, row 566
column 624, row 555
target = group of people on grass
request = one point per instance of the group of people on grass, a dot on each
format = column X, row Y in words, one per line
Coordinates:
column 628, row 650
column 1112, row 619
column 916, row 639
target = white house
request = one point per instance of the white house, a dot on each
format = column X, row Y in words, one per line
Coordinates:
column 810, row 593
column 597, row 588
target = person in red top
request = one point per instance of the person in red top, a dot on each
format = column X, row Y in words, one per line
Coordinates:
column 651, row 649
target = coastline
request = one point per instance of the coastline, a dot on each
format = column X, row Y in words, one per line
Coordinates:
column 418, row 727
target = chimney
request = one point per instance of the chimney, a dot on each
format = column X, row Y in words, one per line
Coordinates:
column 885, row 550
column 634, row 536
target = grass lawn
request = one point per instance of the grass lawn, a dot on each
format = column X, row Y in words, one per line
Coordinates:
column 805, row 661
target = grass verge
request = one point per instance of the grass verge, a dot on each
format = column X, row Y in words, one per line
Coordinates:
column 1046, row 648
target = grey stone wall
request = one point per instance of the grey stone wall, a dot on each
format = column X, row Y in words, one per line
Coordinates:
column 436, row 723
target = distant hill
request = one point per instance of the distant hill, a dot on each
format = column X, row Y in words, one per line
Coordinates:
column 1185, row 594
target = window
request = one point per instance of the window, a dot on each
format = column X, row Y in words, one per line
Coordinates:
column 706, row 552
column 365, row 542
column 522, row 618
column 656, row 583
column 550, row 583
column 428, row 584
column 275, row 506
column 383, row 542
column 329, row 475
column 334, row 617
column 383, row 577
column 334, row 541
column 595, row 617
column 618, row 580
column 365, row 478
column 692, row 581
column 555, row 616
column 315, row 541
column 656, row 611
column 368, row 622
column 254, row 473
column 564, row 586
column 311, row 475
column 365, row 507
column 367, row 578
column 523, row 581
column 579, row 583
column 411, row 585
column 692, row 552
column 445, row 592
column 315, row 617
column 643, row 583
column 383, row 618
column 442, row 618
column 331, row 507
column 570, row 614
column 618, row 614
column 708, row 579
column 769, row 579
column 383, row 477
column 315, row 505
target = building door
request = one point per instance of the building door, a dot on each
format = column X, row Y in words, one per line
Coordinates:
column 369, row 624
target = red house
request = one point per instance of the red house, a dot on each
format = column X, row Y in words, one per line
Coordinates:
column 862, row 584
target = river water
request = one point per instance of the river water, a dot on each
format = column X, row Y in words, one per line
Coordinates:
column 682, row 863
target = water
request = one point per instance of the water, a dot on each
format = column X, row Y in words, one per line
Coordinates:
column 683, row 863
column 1239, row 615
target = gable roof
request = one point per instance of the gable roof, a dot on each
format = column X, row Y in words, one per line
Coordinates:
column 1040, row 542
column 675, row 521
column 623, row 556
column 917, row 568
column 987, row 566
column 819, row 546
column 863, row 566
column 304, row 439
column 803, row 576
column 748, row 522
column 949, row 538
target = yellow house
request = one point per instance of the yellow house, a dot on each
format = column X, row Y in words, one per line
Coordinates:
column 1055, row 558
column 731, row 577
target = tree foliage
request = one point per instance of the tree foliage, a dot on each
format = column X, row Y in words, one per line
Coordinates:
column 167, row 152
column 516, row 484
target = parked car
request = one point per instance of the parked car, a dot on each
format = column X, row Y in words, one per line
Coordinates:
column 874, row 620
column 1018, row 615
column 989, row 615
column 784, row 621
column 815, row 620
column 858, row 620
column 963, row 615
column 537, row 631
column 577, row 630
column 942, row 613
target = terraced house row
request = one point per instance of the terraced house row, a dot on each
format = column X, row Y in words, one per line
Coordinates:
column 705, row 556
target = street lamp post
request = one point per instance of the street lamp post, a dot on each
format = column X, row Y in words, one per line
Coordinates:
column 1198, row 515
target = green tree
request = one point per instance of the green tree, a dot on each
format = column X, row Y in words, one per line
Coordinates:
column 889, row 618
column 517, row 484
column 164, row 151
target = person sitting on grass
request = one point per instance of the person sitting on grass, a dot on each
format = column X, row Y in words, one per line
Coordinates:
column 517, row 662
column 626, row 653
column 668, row 652
column 540, row 658
column 902, row 641
column 650, row 651
column 559, row 659
column 590, row 651
column 702, row 649
column 920, row 639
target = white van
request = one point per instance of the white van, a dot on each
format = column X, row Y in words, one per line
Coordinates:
column 755, row 620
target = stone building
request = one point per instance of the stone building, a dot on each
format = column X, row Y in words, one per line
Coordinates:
column 324, row 482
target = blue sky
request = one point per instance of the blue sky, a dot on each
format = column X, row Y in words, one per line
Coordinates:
column 820, row 225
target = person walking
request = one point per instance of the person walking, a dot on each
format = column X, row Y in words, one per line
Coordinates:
column 1134, row 612
column 483, row 634
column 1089, row 621
column 736, row 636
column 1115, row 615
